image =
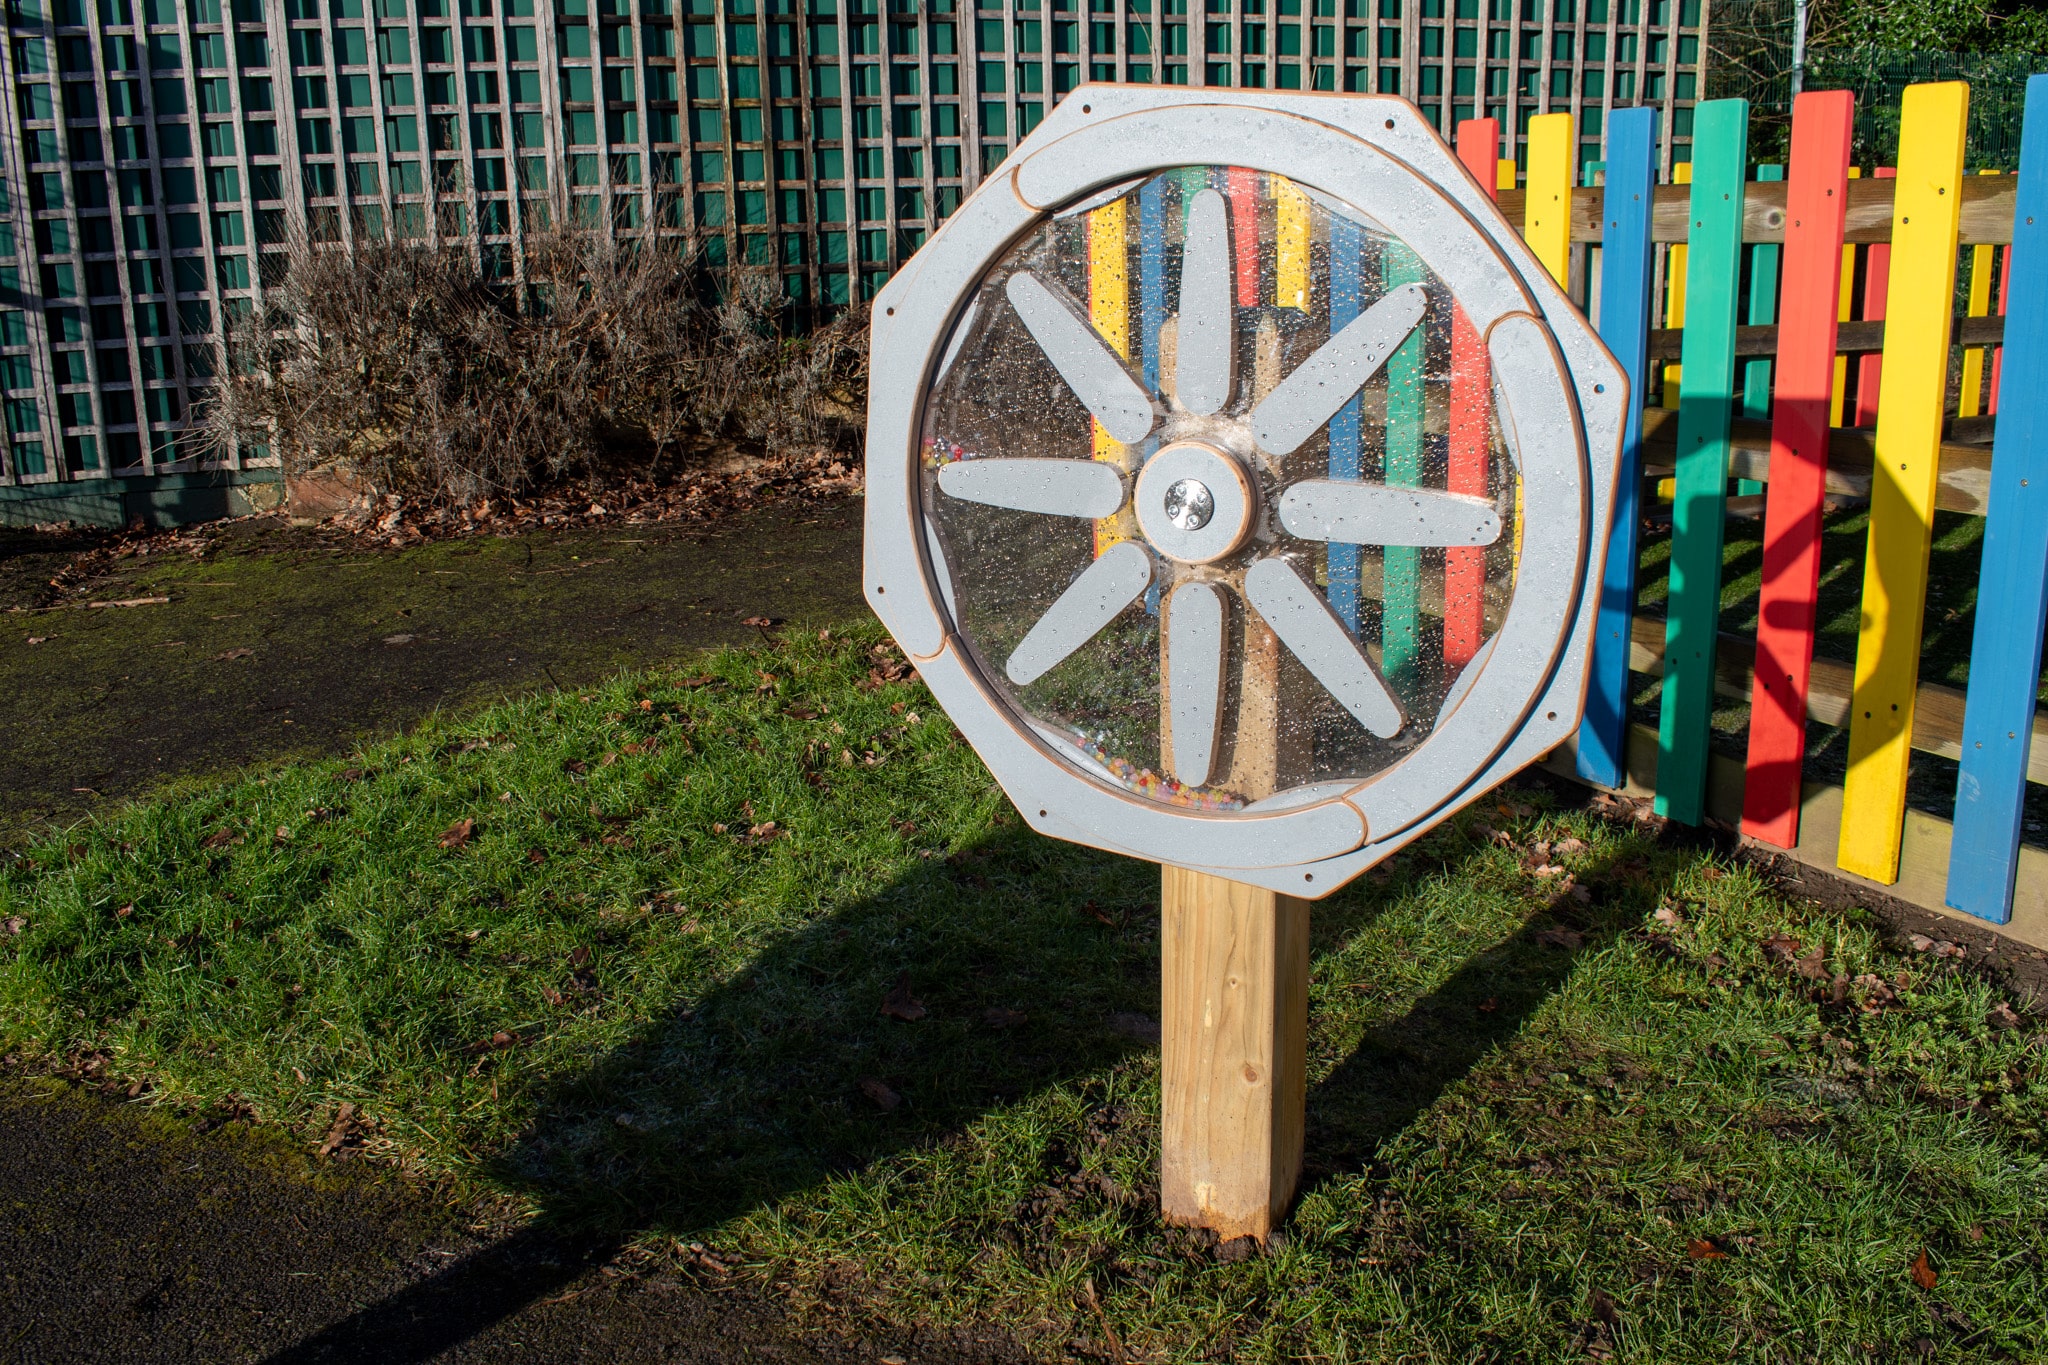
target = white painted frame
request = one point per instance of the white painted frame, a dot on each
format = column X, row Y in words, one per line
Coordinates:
column 1562, row 398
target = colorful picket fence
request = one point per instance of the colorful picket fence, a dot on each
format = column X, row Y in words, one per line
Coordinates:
column 1786, row 279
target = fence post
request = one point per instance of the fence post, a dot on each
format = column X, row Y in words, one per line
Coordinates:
column 1926, row 219
column 1627, row 273
column 1705, row 407
column 2012, row 590
column 1815, row 199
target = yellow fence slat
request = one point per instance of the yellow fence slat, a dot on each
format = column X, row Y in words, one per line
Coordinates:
column 1109, row 308
column 1290, row 245
column 1844, row 306
column 1926, row 223
column 1674, row 294
column 1547, row 206
column 1971, row 400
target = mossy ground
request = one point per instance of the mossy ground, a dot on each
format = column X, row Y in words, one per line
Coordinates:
column 1578, row 1088
column 275, row 641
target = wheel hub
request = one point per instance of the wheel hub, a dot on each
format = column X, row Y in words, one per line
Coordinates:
column 1195, row 503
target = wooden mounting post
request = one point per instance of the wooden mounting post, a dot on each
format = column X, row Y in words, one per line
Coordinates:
column 1234, row 1044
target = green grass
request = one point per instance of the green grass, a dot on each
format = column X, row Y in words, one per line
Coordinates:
column 1527, row 1100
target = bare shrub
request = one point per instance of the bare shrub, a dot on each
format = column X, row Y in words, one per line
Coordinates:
column 402, row 363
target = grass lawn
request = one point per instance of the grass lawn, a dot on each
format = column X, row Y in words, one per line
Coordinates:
column 623, row 956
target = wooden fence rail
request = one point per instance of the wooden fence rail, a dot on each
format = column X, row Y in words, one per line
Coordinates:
column 1986, row 221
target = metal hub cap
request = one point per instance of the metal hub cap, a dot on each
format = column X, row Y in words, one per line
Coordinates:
column 1194, row 502
column 1189, row 505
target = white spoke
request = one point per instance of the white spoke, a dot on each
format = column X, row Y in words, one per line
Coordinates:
column 1375, row 514
column 1306, row 625
column 1059, row 488
column 1324, row 382
column 1194, row 678
column 1095, row 373
column 1206, row 336
column 1090, row 602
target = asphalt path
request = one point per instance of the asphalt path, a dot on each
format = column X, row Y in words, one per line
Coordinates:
column 126, row 1235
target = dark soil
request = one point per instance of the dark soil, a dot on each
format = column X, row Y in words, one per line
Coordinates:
column 127, row 1235
column 278, row 641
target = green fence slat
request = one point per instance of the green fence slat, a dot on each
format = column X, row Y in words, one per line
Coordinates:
column 1706, row 402
column 1401, row 619
column 1763, row 311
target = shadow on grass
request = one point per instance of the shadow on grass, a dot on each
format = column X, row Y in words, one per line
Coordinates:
column 1400, row 1067
column 789, row 1073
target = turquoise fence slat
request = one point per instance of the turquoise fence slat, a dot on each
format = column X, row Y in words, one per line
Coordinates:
column 1763, row 311
column 1706, row 404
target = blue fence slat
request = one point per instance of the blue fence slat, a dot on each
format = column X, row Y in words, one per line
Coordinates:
column 1627, row 261
column 1151, row 273
column 2012, row 593
column 1347, row 267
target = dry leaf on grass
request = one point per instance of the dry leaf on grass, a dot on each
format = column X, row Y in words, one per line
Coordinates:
column 878, row 1090
column 1781, row 947
column 1924, row 1274
column 1704, row 1249
column 1665, row 914
column 1940, row 947
column 220, row 838
column 12, row 925
column 1811, row 967
column 998, row 1017
column 2002, row 1015
column 457, row 834
column 898, row 1004
column 1569, row 939
column 339, row 1133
